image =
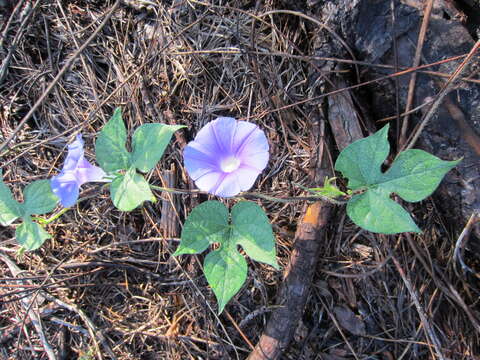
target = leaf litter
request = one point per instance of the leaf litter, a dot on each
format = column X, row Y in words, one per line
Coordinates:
column 185, row 64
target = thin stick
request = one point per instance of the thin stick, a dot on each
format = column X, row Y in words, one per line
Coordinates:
column 395, row 64
column 13, row 46
column 242, row 334
column 31, row 310
column 457, row 253
column 441, row 95
column 413, row 77
column 425, row 323
column 59, row 76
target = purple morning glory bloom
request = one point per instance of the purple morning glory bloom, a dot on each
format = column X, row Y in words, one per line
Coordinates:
column 226, row 156
column 76, row 172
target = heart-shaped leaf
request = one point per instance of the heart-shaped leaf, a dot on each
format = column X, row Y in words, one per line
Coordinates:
column 376, row 212
column 39, row 198
column 225, row 268
column 130, row 191
column 226, row 272
column 10, row 209
column 207, row 224
column 30, row 234
column 413, row 176
column 110, row 149
column 360, row 162
column 149, row 143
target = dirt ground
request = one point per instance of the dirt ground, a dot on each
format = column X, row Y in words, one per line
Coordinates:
column 106, row 286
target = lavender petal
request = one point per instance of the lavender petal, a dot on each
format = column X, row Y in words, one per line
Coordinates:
column 229, row 185
column 209, row 182
column 87, row 172
column 243, row 132
column 75, row 154
column 257, row 161
column 255, row 144
column 66, row 188
column 205, row 141
column 197, row 162
column 223, row 130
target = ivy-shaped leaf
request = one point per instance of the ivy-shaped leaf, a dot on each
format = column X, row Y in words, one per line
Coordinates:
column 225, row 268
column 30, row 234
column 413, row 176
column 110, row 149
column 10, row 209
column 130, row 190
column 148, row 144
column 38, row 199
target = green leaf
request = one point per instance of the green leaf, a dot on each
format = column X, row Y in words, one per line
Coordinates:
column 375, row 211
column 39, row 198
column 360, row 161
column 10, row 209
column 226, row 272
column 416, row 174
column 31, row 235
column 207, row 224
column 110, row 148
column 130, row 190
column 149, row 143
column 253, row 232
column 413, row 176
column 225, row 268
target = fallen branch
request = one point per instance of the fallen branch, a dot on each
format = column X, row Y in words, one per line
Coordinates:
column 293, row 293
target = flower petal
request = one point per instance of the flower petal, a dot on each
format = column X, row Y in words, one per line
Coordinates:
column 258, row 161
column 75, row 154
column 243, row 132
column 87, row 172
column 232, row 184
column 246, row 176
column 223, row 130
column 256, row 143
column 254, row 152
column 209, row 182
column 206, row 141
column 229, row 186
column 197, row 163
column 222, row 142
column 66, row 188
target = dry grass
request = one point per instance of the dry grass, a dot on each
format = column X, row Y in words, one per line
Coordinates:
column 185, row 63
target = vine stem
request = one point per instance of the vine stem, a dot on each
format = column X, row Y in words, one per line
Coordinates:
column 52, row 218
column 254, row 195
column 244, row 195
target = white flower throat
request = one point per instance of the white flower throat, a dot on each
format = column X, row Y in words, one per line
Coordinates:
column 229, row 164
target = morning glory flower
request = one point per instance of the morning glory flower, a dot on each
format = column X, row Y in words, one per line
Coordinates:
column 76, row 172
column 226, row 156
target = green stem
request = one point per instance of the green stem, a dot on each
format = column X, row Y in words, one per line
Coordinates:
column 256, row 196
column 61, row 212
column 52, row 218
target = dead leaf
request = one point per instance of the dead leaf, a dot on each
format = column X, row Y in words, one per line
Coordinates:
column 349, row 321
